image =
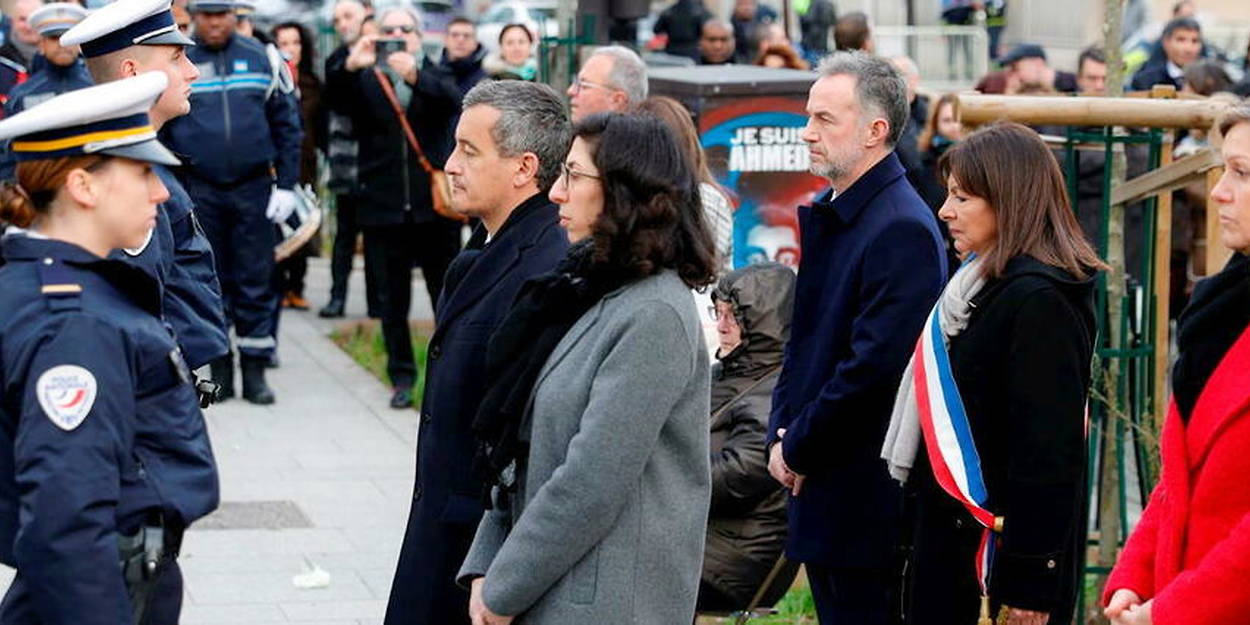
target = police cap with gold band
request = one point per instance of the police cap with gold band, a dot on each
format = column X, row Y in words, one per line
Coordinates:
column 126, row 23
column 51, row 20
column 109, row 119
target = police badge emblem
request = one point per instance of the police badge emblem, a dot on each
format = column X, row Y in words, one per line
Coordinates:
column 66, row 393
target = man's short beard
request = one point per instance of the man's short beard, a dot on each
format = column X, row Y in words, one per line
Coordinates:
column 828, row 171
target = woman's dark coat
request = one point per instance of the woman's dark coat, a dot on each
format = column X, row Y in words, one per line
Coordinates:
column 747, row 522
column 1023, row 370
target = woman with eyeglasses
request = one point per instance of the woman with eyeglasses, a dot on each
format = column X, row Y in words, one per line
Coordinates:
column 395, row 210
column 597, row 443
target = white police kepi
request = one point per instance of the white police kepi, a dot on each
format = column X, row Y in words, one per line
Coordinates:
column 242, row 8
column 107, row 119
column 126, row 23
column 53, row 19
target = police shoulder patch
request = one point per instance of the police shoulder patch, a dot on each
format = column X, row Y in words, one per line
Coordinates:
column 66, row 393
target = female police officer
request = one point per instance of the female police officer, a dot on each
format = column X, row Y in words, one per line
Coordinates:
column 104, row 458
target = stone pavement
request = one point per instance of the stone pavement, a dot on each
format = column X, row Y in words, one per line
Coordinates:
column 324, row 476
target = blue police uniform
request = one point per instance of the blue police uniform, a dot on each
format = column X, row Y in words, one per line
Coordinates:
column 241, row 138
column 193, row 302
column 12, row 74
column 179, row 253
column 104, row 454
column 90, row 457
column 52, row 80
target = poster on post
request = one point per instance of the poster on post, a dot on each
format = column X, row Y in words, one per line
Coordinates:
column 750, row 121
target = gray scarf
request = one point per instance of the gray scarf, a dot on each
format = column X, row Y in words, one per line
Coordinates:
column 902, row 440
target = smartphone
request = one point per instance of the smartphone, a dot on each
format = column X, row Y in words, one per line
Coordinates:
column 387, row 47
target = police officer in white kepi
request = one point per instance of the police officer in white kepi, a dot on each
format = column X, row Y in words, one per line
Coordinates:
column 96, row 487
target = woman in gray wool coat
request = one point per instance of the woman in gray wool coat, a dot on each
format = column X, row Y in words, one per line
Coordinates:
column 594, row 431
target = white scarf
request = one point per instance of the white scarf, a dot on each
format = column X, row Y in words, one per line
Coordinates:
column 902, row 440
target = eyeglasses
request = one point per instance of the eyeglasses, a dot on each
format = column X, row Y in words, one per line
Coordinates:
column 586, row 84
column 569, row 175
column 715, row 314
column 398, row 29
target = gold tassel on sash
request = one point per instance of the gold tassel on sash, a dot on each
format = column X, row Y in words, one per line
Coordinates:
column 985, row 619
column 985, row 612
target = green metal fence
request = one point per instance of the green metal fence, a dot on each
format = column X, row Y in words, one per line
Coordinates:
column 1128, row 407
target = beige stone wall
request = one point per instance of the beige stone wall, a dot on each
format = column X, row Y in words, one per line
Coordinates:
column 1238, row 10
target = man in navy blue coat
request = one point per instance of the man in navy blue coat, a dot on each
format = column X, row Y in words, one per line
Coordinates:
column 510, row 144
column 873, row 264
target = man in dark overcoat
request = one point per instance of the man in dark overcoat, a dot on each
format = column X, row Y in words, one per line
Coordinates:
column 873, row 264
column 510, row 144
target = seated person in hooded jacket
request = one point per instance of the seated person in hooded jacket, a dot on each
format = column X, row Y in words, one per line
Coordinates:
column 747, row 521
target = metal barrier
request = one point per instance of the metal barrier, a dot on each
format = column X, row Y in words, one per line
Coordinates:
column 950, row 58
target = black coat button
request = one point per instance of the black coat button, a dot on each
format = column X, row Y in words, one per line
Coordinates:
column 435, row 352
column 416, row 492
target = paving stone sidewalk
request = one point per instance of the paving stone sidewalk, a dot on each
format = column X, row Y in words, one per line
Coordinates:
column 322, row 477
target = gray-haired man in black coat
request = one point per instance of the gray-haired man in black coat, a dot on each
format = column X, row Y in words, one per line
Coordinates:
column 510, row 144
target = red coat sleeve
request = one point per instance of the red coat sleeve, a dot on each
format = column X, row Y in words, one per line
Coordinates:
column 1214, row 592
column 1135, row 569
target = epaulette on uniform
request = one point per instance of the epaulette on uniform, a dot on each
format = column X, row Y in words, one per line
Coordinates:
column 59, row 286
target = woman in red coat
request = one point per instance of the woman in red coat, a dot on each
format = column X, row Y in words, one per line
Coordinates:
column 1188, row 561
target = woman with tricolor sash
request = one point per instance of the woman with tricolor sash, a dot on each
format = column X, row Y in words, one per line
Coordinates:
column 988, row 431
column 1188, row 560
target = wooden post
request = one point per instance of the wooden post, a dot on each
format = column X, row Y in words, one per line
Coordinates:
column 975, row 108
column 1217, row 255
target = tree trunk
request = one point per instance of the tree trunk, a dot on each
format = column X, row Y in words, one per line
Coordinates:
column 1109, row 487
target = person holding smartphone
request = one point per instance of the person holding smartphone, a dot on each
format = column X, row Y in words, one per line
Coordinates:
column 396, row 215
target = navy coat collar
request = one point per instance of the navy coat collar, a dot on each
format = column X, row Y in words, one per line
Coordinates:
column 491, row 261
column 21, row 246
column 851, row 202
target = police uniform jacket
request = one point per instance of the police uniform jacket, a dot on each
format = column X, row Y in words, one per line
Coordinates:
column 244, row 122
column 89, row 449
column 51, row 81
column 12, row 74
column 193, row 301
column 179, row 257
column 391, row 184
column 1022, row 367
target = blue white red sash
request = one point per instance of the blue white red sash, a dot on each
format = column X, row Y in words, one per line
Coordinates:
column 948, row 439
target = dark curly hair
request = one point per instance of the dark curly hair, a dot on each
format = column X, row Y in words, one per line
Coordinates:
column 652, row 217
